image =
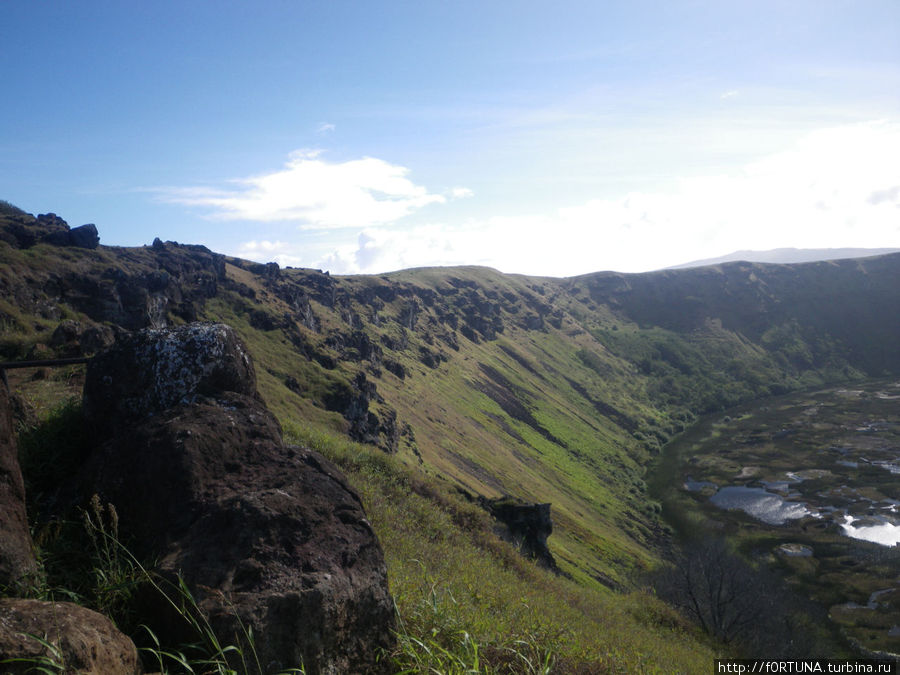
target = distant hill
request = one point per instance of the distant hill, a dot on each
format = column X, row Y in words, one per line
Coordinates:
column 786, row 256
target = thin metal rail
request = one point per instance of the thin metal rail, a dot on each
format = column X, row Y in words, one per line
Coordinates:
column 7, row 365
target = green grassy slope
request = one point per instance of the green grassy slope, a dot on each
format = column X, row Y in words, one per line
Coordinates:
column 516, row 414
column 562, row 391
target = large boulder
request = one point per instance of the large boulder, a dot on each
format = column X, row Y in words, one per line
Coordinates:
column 84, row 236
column 269, row 537
column 82, row 641
column 17, row 562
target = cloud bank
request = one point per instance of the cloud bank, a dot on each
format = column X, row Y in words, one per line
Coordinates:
column 834, row 187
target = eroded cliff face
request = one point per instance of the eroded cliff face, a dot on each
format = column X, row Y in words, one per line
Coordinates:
column 744, row 329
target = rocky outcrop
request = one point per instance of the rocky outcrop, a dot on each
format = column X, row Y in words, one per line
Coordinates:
column 354, row 400
column 17, row 562
column 85, row 236
column 83, row 641
column 126, row 288
column 365, row 425
column 356, row 346
column 525, row 525
column 183, row 278
column 24, row 232
column 269, row 536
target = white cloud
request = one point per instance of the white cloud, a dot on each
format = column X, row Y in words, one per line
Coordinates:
column 732, row 93
column 315, row 193
column 461, row 193
column 325, row 127
column 284, row 253
column 263, row 246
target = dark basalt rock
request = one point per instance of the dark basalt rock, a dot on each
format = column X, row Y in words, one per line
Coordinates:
column 291, row 383
column 298, row 300
column 269, row 271
column 268, row 536
column 398, row 343
column 319, row 285
column 17, row 234
column 410, row 315
column 85, row 236
column 51, row 221
column 262, row 320
column 24, row 231
column 96, row 338
column 17, row 562
column 396, row 368
column 356, row 346
column 88, row 642
column 48, row 228
column 525, row 525
column 52, row 230
column 66, row 331
column 353, row 401
column 431, row 358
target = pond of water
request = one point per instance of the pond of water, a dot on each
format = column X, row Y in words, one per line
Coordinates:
column 885, row 532
column 759, row 503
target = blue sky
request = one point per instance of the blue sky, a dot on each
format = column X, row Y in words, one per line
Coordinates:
column 535, row 137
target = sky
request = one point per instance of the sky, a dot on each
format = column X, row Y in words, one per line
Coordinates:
column 533, row 137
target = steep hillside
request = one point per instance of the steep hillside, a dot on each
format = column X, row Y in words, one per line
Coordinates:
column 548, row 390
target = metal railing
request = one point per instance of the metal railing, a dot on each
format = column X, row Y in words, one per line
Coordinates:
column 40, row 363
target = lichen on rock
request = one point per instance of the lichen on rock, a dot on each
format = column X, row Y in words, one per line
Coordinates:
column 153, row 370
